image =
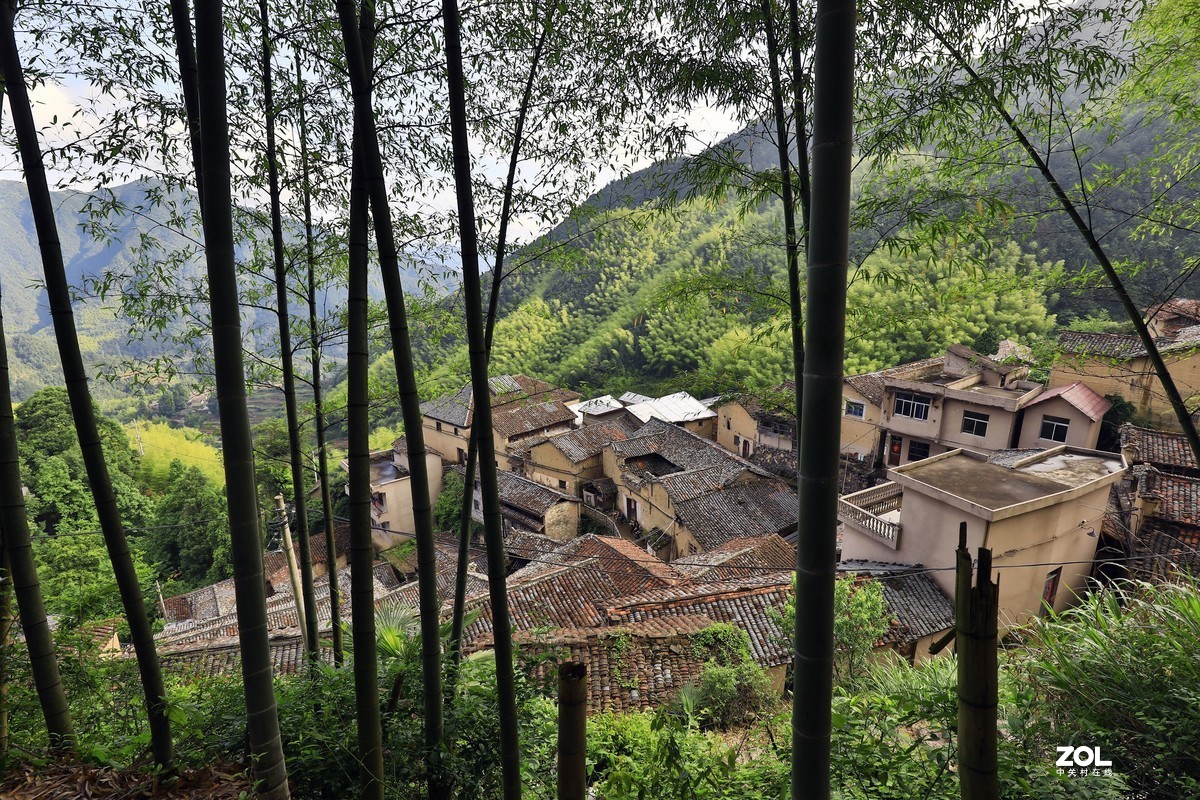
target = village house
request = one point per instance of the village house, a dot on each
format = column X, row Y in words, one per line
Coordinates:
column 570, row 587
column 862, row 407
column 522, row 408
column 526, row 505
column 568, row 461
column 747, row 423
column 1040, row 512
column 1118, row 365
column 970, row 401
column 217, row 599
column 1155, row 513
column 605, row 408
column 391, row 490
column 1166, row 320
column 682, row 494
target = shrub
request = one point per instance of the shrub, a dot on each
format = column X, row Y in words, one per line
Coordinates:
column 731, row 696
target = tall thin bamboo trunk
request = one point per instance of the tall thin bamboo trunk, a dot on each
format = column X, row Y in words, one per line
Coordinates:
column 510, row 751
column 788, row 197
column 18, row 551
column 185, row 51
column 335, row 603
column 464, row 531
column 358, row 39
column 240, row 484
column 296, row 454
column 828, row 260
column 6, row 617
column 82, row 410
column 362, row 598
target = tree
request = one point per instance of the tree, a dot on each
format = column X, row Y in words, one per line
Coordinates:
column 820, row 417
column 187, row 539
column 75, row 376
column 14, row 530
column 246, row 550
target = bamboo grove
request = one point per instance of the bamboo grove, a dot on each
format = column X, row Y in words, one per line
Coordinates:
column 300, row 147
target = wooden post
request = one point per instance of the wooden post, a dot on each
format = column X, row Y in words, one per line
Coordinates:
column 572, row 731
column 975, row 610
column 293, row 568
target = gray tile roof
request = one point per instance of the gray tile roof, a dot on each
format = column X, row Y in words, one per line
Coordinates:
column 749, row 508
column 749, row 604
column 871, row 384
column 456, row 408
column 917, row 606
column 739, row 558
column 589, row 440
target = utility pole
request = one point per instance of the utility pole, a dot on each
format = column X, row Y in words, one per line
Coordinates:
column 975, row 609
column 293, row 568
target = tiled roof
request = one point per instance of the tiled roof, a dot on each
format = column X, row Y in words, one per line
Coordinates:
column 1166, row 547
column 675, row 408
column 1104, row 345
column 749, row 508
column 281, row 609
column 1176, row 307
column 871, row 384
column 629, row 668
column 1080, row 396
column 747, row 603
column 1160, row 448
column 568, row 588
column 209, row 602
column 1179, row 496
column 529, row 496
column 223, row 657
column 516, row 419
column 917, row 606
column 456, row 409
column 962, row 351
column 589, row 440
column 682, row 449
column 598, row 405
column 782, row 463
column 739, row 558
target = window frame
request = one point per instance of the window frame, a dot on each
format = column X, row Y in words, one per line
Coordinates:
column 924, row 445
column 912, row 402
column 974, row 419
column 1057, row 423
column 848, row 405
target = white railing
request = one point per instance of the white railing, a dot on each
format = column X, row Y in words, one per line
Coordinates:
column 863, row 510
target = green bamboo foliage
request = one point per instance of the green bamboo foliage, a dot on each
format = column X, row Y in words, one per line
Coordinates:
column 989, row 98
column 310, row 259
column 18, row 553
column 295, row 453
column 510, row 751
column 358, row 39
column 241, row 487
column 75, row 377
column 828, row 262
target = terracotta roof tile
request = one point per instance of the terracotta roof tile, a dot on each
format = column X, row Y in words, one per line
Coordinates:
column 871, row 384
column 1080, row 396
column 739, row 558
column 1163, row 449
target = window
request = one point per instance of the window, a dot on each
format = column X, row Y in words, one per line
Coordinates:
column 918, row 450
column 1054, row 428
column 478, row 507
column 911, row 405
column 974, row 423
column 456, row 430
column 437, row 425
column 737, row 440
column 1050, row 590
column 854, row 409
column 727, row 423
column 562, row 484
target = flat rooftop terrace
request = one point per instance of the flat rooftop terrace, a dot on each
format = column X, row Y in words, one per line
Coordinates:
column 995, row 486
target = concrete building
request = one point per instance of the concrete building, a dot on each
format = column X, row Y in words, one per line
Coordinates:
column 391, row 489
column 1040, row 512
